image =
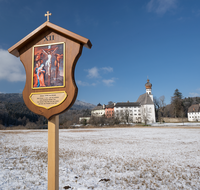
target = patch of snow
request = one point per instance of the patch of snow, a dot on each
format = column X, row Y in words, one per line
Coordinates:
column 108, row 158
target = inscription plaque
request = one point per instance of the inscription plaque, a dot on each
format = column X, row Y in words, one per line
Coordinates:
column 48, row 100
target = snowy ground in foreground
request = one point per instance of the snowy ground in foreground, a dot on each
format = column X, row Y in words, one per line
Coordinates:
column 128, row 158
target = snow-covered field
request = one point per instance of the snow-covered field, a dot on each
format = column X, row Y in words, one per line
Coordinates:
column 112, row 158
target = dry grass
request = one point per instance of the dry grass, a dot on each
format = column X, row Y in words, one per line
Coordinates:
column 104, row 161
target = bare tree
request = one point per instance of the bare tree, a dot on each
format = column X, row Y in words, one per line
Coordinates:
column 182, row 114
column 162, row 101
column 98, row 121
column 126, row 115
column 157, row 107
column 122, row 116
column 162, row 107
column 110, row 103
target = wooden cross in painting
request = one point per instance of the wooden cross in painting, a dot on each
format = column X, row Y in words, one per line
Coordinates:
column 49, row 55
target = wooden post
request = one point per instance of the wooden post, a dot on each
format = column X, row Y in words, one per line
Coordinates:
column 53, row 153
column 52, row 99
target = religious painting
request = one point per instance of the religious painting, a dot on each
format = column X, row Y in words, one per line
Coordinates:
column 48, row 66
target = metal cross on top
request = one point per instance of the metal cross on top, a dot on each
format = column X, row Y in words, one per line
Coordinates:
column 47, row 15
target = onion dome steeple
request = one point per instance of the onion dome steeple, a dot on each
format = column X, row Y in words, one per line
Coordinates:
column 148, row 86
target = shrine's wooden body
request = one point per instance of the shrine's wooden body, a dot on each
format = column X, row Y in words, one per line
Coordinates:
column 49, row 33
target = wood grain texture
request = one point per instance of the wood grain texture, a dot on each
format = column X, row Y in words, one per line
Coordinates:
column 53, row 153
column 73, row 48
column 73, row 51
column 15, row 49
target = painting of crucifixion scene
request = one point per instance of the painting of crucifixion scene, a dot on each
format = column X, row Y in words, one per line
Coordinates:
column 48, row 66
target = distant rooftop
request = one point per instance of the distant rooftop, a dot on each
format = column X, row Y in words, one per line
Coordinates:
column 127, row 104
column 145, row 99
column 194, row 108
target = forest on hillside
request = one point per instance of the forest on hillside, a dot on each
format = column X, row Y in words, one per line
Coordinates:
column 13, row 112
column 17, row 114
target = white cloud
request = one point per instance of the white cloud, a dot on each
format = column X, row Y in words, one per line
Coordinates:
column 109, row 82
column 81, row 83
column 107, row 69
column 93, row 72
column 11, row 69
column 94, row 84
column 194, row 94
column 161, row 6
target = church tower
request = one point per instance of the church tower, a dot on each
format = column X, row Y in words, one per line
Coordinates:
column 148, row 86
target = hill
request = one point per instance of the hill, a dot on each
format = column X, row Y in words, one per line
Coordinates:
column 13, row 112
column 17, row 97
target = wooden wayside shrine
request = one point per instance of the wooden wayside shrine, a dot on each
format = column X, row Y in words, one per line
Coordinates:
column 49, row 55
column 46, row 34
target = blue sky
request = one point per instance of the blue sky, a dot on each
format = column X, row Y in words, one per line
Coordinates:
column 132, row 39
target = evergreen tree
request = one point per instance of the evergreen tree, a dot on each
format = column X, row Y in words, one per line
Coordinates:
column 177, row 104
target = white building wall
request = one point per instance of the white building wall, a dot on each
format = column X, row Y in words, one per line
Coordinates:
column 98, row 113
column 137, row 114
column 194, row 116
column 134, row 113
column 148, row 112
column 84, row 118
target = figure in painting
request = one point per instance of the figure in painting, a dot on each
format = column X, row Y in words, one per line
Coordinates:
column 57, row 63
column 38, row 58
column 48, row 62
column 35, row 78
column 41, row 76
